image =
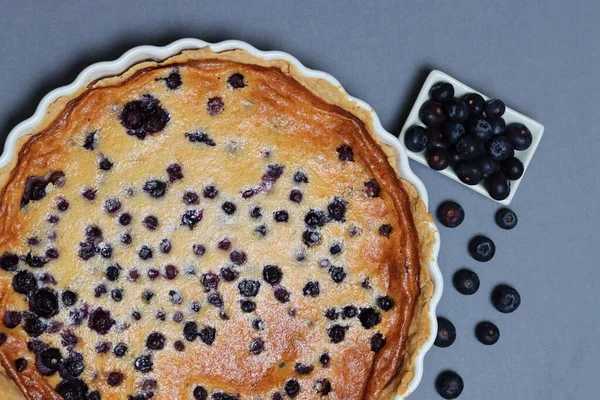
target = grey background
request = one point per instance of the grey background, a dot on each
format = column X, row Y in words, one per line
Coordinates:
column 541, row 58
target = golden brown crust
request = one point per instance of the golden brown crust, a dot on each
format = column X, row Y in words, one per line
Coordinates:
column 406, row 282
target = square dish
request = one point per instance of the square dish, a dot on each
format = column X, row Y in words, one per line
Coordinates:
column 100, row 320
column 510, row 116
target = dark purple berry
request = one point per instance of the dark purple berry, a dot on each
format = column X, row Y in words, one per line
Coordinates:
column 446, row 333
column 311, row 238
column 506, row 299
column 228, row 274
column 173, row 81
column 457, row 111
column 100, row 321
column 385, row 230
column 480, row 129
column 386, row 303
column 44, row 303
column 165, row 246
column 120, row 350
column 450, row 214
column 506, row 218
column 311, row 289
column 436, row 138
column 438, row 159
column 145, row 252
column 105, row 164
column 190, row 198
column 175, row 172
column 190, row 218
column 475, row 104
column 236, row 81
column 200, row 393
column 338, row 274
column 292, row 388
column 272, row 274
column 469, row 173
column 12, row 319
column 466, row 282
column 155, row 341
column 303, row 369
column 215, row 105
column 369, row 317
column 494, row 109
column 281, row 294
column 453, row 131
column 151, row 222
column 345, row 153
column 229, row 207
column 336, row 333
column 9, row 262
column 449, row 385
column 377, row 342
column 281, row 216
column 171, row 272
column 296, row 196
column 143, row 364
column 431, row 114
column 249, row 287
column 499, row 148
column 207, row 335
column 498, row 126
column 210, row 281
column 415, row 138
column 89, row 194
column 24, row 282
column 90, row 141
column 155, row 188
column 487, row 165
column 519, row 136
column 498, row 186
column 237, row 257
column 513, row 168
column 442, row 92
column 114, row 378
column 482, row 248
column 468, row 148
column 487, row 333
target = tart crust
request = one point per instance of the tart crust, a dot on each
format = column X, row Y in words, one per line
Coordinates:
column 395, row 368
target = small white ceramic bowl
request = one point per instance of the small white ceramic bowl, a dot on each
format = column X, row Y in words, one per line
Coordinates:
column 143, row 53
column 510, row 116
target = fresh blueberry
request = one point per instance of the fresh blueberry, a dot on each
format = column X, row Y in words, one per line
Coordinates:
column 457, row 111
column 487, row 165
column 446, row 334
column 469, row 172
column 431, row 114
column 513, row 168
column 506, row 218
column 449, row 384
column 436, row 138
column 498, row 126
column 498, row 186
column 438, row 159
column 506, row 299
column 519, row 136
column 415, row 138
column 442, row 92
column 475, row 103
column 450, row 214
column 466, row 282
column 468, row 148
column 482, row 248
column 454, row 157
column 494, row 109
column 487, row 333
column 499, row 148
column 453, row 131
column 480, row 129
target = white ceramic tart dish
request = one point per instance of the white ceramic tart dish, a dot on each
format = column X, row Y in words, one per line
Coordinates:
column 210, row 221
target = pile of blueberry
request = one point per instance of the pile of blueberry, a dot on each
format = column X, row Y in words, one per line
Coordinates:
column 470, row 135
column 505, row 298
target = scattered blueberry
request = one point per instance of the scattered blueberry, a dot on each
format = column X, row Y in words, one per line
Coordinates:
column 336, row 333
column 345, row 153
column 506, row 218
column 215, row 105
column 466, row 282
column 487, row 333
column 311, row 289
column 506, row 299
column 482, row 248
column 446, row 334
column 24, row 282
column 449, row 385
column 377, row 342
column 368, row 317
column 450, row 214
column 236, row 81
column 143, row 364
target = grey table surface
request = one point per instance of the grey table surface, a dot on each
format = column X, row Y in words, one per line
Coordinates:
column 540, row 58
